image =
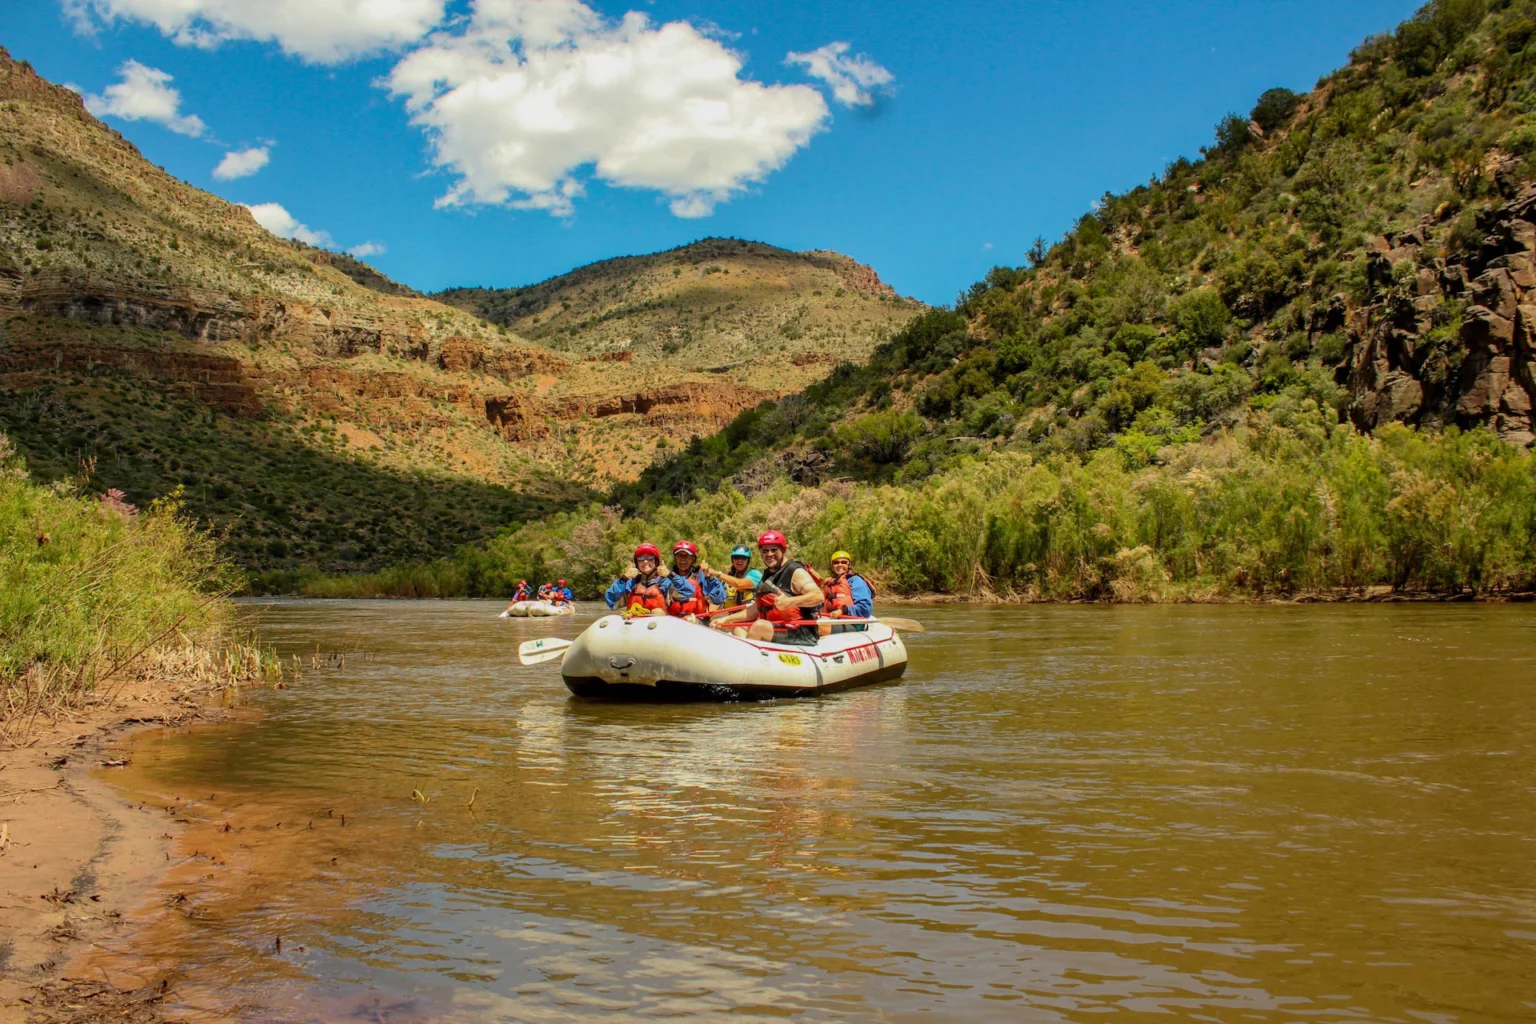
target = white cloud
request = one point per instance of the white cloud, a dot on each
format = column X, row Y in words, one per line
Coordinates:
column 854, row 80
column 242, row 163
column 280, row 222
column 367, row 249
column 324, row 31
column 526, row 93
column 145, row 94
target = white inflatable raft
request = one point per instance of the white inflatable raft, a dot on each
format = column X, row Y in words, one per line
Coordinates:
column 535, row 609
column 670, row 659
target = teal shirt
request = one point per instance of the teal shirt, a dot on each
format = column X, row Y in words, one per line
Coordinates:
column 734, row 597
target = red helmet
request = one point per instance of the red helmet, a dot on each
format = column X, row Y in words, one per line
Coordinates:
column 561, row 582
column 686, row 545
column 647, row 551
column 772, row 538
column 522, row 583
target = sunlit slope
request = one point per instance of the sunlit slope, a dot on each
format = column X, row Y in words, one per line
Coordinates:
column 717, row 303
column 153, row 336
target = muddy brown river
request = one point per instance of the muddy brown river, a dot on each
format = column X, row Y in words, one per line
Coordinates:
column 1232, row 814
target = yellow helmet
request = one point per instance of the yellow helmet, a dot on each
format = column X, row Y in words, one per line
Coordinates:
column 840, row 554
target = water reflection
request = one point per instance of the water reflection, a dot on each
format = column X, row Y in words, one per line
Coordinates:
column 1226, row 814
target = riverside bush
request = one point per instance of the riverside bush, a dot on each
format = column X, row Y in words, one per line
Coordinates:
column 89, row 585
column 1262, row 509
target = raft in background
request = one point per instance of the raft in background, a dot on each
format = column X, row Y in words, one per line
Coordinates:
column 536, row 609
column 665, row 658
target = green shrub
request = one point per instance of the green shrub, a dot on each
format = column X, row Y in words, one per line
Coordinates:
column 1275, row 108
column 884, row 438
column 1201, row 318
column 89, row 584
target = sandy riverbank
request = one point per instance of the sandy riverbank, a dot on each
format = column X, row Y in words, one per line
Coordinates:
column 75, row 856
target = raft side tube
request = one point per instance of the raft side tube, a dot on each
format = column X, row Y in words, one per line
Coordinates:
column 670, row 659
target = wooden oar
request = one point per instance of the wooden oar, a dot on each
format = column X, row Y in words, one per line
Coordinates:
column 545, row 648
column 905, row 625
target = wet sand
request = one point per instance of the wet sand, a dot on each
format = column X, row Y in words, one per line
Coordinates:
column 75, row 856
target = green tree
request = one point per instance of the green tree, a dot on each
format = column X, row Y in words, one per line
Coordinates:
column 1202, row 320
column 1232, row 136
column 1275, row 108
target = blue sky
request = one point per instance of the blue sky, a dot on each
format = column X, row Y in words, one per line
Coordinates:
column 1000, row 122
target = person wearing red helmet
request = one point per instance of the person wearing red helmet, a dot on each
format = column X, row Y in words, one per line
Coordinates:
column 787, row 600
column 707, row 591
column 647, row 587
column 522, row 593
column 561, row 594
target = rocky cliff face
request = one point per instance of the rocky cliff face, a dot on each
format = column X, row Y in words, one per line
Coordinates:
column 1448, row 341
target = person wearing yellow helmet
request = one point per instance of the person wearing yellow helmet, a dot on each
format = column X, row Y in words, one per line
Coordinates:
column 849, row 596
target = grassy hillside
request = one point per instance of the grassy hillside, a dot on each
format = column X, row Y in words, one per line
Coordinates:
column 1364, row 250
column 317, row 414
column 1179, row 397
column 717, row 303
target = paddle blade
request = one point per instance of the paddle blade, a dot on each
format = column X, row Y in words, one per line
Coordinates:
column 543, row 644
column 905, row 625
column 542, row 656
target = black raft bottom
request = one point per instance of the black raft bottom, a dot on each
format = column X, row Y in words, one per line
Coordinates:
column 667, row 691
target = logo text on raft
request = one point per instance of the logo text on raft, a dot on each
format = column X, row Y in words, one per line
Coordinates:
column 866, row 653
column 790, row 659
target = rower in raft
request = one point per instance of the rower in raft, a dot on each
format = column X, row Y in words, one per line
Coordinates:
column 769, row 650
column 741, row 581
column 786, row 602
column 849, row 596
column 708, row 592
column 647, row 587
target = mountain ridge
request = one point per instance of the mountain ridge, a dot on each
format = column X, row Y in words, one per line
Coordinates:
column 728, row 297
column 154, row 337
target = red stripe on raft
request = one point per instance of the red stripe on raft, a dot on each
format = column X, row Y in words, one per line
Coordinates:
column 762, row 646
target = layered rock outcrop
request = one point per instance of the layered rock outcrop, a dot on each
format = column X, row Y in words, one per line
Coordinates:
column 1448, row 341
column 407, row 400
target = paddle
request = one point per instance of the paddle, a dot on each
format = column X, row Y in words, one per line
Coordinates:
column 545, row 648
column 905, row 625
column 724, row 611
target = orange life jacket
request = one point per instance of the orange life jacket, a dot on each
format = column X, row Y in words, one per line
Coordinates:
column 782, row 580
column 698, row 604
column 648, row 596
column 839, row 593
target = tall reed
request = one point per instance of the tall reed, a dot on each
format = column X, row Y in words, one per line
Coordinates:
column 1262, row 509
column 94, row 592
